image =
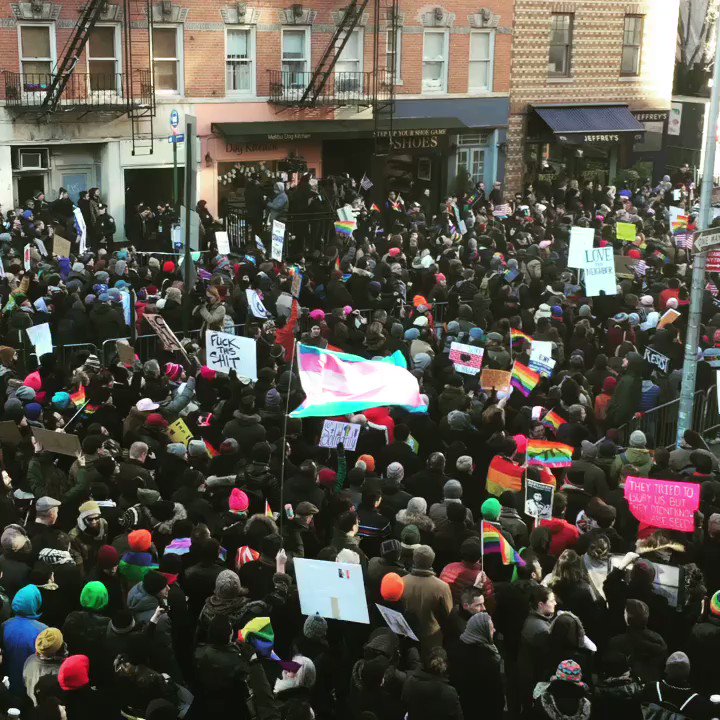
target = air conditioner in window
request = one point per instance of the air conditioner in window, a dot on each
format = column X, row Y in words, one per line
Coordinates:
column 32, row 159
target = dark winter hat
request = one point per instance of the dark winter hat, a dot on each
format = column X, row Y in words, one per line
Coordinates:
column 154, row 582
column 315, row 627
column 677, row 667
column 423, row 557
column 410, row 535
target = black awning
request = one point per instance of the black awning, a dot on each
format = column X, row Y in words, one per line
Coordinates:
column 588, row 123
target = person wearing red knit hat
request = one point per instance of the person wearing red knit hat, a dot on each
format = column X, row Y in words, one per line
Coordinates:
column 80, row 699
column 369, row 461
column 139, row 560
column 392, row 588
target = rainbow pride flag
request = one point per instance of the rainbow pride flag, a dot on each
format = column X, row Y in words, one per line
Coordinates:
column 494, row 542
column 519, row 335
column 503, row 474
column 375, row 208
column 268, row 510
column 553, row 420
column 212, row 452
column 345, row 227
column 260, row 634
column 78, row 398
column 549, row 454
column 523, row 378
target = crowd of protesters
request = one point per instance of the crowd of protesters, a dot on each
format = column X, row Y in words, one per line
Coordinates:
column 148, row 578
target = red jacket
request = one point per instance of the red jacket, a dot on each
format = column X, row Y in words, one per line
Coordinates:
column 564, row 535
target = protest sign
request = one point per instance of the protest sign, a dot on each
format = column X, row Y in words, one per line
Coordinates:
column 277, row 241
column 125, row 352
column 296, row 285
column 225, row 352
column 599, row 273
column 334, row 432
column 712, row 263
column 345, row 213
column 663, row 503
column 27, row 258
column 255, row 304
column 498, row 379
column 627, row 232
column 40, row 246
column 179, row 432
column 541, row 347
column 10, row 433
column 61, row 246
column 538, row 499
column 542, row 364
column 502, row 210
column 467, row 358
column 41, row 338
column 162, row 330
column 581, row 239
column 331, row 589
column 57, row 442
column 396, row 622
column 223, row 242
column 669, row 317
column 660, row 361
column 625, row 266
column 82, row 230
column 667, row 580
column 2, row 269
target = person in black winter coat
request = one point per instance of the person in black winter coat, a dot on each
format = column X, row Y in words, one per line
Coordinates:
column 617, row 691
column 428, row 695
column 199, row 582
column 106, row 322
column 245, row 426
column 703, row 646
column 304, row 487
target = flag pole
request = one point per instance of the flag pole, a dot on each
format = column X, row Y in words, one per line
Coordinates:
column 284, row 439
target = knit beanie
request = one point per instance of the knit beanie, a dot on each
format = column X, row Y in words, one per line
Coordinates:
column 369, row 461
column 74, row 672
column 140, row 540
column 238, row 501
column 107, row 557
column 173, row 371
column 33, row 411
column 176, row 449
column 392, row 587
column 395, row 471
column 227, row 585
column 677, row 667
column 452, row 490
column 49, row 641
column 715, row 604
column 154, row 582
column 491, row 509
column 315, row 627
column 423, row 557
column 86, row 510
column 197, row 449
column 94, row 596
column 410, row 535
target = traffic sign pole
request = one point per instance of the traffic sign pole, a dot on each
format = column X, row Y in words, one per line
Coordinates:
column 174, row 122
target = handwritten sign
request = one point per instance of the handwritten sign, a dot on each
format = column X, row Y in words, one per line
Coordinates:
column 541, row 364
column 627, row 232
column 41, row 338
column 223, row 243
column 179, row 432
column 663, row 503
column 466, row 358
column 57, row 442
column 660, row 361
column 334, row 433
column 277, row 240
column 581, row 239
column 225, row 352
column 498, row 379
column 162, row 330
column 599, row 270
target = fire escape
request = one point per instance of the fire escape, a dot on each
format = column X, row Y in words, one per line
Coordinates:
column 329, row 88
column 67, row 94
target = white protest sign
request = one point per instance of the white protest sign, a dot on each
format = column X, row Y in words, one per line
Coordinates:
column 599, row 267
column 541, row 347
column 466, row 358
column 260, row 245
column 345, row 213
column 255, row 304
column 223, row 242
column 396, row 622
column 581, row 239
column 278, row 240
column 41, row 247
column 82, row 230
column 331, row 589
column 334, row 432
column 225, row 352
column 41, row 338
column 26, row 257
column 541, row 364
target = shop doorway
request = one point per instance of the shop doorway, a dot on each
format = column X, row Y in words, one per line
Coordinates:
column 27, row 185
column 351, row 156
column 151, row 186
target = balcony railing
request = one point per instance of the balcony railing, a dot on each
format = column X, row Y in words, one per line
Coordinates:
column 84, row 91
column 287, row 87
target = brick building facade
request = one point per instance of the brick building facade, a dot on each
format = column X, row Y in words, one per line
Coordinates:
column 216, row 60
column 580, row 55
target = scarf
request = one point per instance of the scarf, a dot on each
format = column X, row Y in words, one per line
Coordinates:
column 55, row 557
column 478, row 632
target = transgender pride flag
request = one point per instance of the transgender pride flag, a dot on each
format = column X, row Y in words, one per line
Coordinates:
column 338, row 383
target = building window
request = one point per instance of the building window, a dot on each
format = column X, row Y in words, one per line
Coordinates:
column 240, row 61
column 295, row 57
column 103, row 58
column 471, row 160
column 393, row 53
column 350, row 64
column 560, row 45
column 632, row 42
column 37, row 53
column 167, row 59
column 435, row 66
column 480, row 75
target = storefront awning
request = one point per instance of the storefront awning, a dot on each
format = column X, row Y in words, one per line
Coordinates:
column 588, row 123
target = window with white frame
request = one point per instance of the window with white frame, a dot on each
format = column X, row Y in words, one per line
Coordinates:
column 295, row 56
column 480, row 72
column 471, row 160
column 167, row 58
column 632, row 44
column 393, row 53
column 561, row 38
column 103, row 58
column 435, row 66
column 240, row 61
column 37, row 53
column 350, row 64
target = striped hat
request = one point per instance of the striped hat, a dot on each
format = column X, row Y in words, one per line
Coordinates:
column 715, row 604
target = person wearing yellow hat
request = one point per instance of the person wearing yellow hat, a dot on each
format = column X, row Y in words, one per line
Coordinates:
column 50, row 651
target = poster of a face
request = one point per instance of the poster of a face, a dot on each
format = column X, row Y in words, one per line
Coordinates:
column 538, row 500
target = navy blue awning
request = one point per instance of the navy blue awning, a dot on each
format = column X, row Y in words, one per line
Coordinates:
column 600, row 123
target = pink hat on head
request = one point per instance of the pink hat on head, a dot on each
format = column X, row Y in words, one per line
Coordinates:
column 318, row 315
column 238, row 501
column 347, row 310
column 394, row 251
column 173, row 370
column 207, row 374
column 440, row 277
column 521, row 441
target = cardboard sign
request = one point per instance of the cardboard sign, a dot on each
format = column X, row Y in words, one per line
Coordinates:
column 538, row 499
column 332, row 590
column 10, row 433
column 225, row 352
column 223, row 242
column 660, row 361
column 162, row 330
column 663, row 503
column 498, row 379
column 41, row 338
column 277, row 241
column 179, row 432
column 669, row 317
column 599, row 273
column 334, row 432
column 126, row 352
column 58, row 442
column 466, row 358
column 61, row 246
column 625, row 266
column 581, row 239
column 627, row 232
column 396, row 622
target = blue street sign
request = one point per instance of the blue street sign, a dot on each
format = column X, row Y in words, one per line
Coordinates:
column 176, row 138
column 174, row 118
